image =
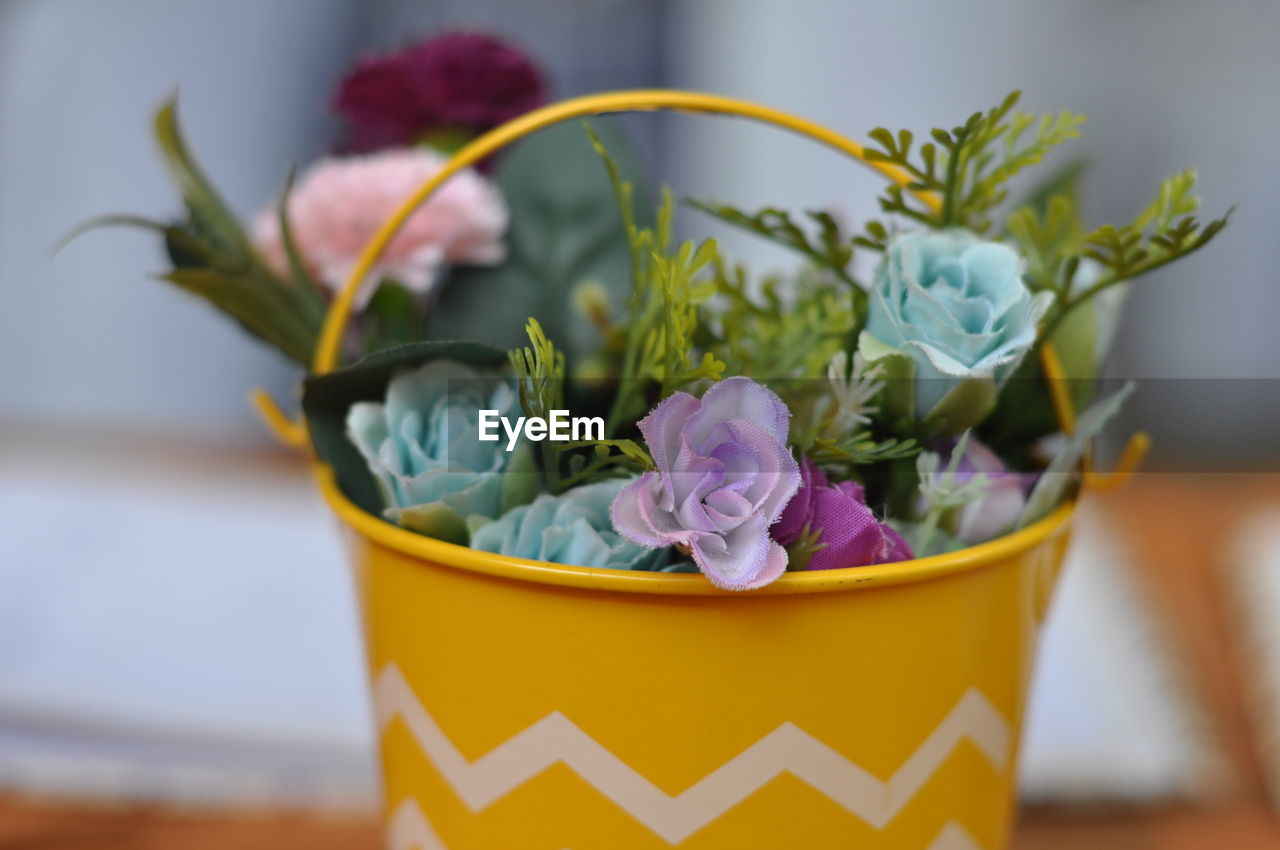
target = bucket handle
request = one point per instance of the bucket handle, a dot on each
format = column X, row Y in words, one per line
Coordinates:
column 326, row 353
column 640, row 100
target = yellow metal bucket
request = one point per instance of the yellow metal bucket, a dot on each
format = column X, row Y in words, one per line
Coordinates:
column 531, row 705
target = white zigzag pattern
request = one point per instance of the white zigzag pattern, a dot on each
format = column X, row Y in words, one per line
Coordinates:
column 952, row 837
column 555, row 738
column 409, row 829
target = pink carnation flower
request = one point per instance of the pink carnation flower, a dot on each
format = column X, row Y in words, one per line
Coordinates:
column 339, row 202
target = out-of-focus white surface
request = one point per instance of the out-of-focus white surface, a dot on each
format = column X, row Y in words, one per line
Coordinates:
column 1108, row 718
column 1255, row 579
column 185, row 632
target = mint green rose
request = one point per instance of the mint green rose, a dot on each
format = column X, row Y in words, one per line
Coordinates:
column 422, row 446
column 573, row 528
column 955, row 304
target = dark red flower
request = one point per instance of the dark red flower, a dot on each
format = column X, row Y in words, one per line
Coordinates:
column 458, row 83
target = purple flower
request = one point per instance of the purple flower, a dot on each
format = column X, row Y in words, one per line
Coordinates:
column 456, row 83
column 724, row 475
column 997, row 509
column 849, row 533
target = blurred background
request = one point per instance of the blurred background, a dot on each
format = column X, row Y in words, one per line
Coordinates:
column 175, row 624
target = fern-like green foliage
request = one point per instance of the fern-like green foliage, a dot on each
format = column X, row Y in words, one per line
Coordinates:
column 540, row 371
column 826, row 248
column 967, row 167
column 787, row 328
column 1166, row 230
column 1050, row 240
column 663, row 315
column 540, row 379
column 607, row 459
column 860, row 449
column 836, row 425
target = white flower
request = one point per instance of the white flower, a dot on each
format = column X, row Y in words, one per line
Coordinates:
column 853, row 391
column 947, row 488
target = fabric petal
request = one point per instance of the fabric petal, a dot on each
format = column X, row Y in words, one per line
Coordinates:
column 740, row 398
column 633, row 512
column 740, row 559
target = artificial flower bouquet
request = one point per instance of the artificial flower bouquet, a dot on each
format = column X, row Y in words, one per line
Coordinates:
column 836, row 415
column 549, row 407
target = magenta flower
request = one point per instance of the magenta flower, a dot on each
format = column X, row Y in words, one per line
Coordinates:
column 724, row 475
column 849, row 533
column 459, row 82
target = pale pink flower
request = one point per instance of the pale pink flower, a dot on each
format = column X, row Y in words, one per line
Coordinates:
column 339, row 202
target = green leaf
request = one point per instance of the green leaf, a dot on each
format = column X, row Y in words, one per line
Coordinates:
column 327, row 398
column 306, row 292
column 827, row 248
column 564, row 231
column 940, row 541
column 258, row 303
column 659, row 341
column 968, row 166
column 210, row 216
column 898, row 371
column 213, row 258
column 435, row 519
column 540, row 380
column 1063, row 181
column 860, row 449
column 963, row 407
column 521, row 479
column 1165, row 231
column 393, row 318
column 1053, row 482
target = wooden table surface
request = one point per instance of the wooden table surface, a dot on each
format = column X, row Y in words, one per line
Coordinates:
column 1176, row 524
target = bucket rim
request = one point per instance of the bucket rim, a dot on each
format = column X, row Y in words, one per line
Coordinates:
column 454, row 556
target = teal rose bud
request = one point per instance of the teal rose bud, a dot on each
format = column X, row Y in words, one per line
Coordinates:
column 955, row 304
column 573, row 528
column 422, row 446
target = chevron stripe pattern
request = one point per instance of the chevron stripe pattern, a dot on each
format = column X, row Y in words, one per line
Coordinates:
column 409, row 829
column 952, row 837
column 556, row 739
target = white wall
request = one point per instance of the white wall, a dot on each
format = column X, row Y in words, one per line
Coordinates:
column 1166, row 85
column 85, row 336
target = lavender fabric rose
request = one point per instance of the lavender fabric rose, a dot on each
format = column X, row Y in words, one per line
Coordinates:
column 724, row 476
column 848, row 532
